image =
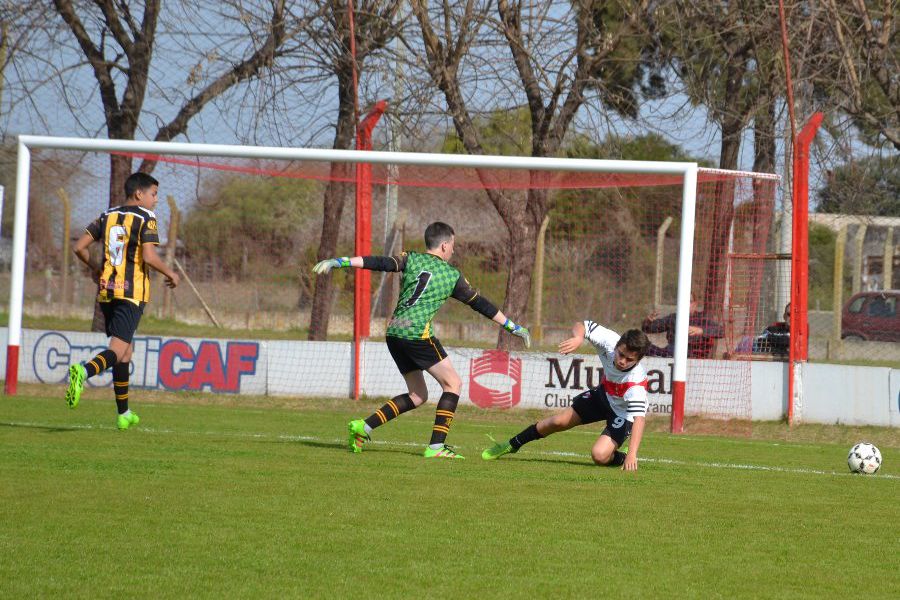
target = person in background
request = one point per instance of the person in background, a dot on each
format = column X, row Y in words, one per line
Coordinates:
column 775, row 339
column 702, row 332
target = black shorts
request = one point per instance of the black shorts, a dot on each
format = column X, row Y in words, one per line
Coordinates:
column 593, row 406
column 415, row 355
column 122, row 318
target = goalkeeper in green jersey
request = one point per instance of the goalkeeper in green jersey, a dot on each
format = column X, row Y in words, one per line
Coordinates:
column 427, row 281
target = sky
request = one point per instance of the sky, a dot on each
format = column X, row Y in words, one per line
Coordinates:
column 47, row 113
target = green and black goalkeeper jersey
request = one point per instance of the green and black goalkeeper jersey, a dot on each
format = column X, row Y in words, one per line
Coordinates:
column 427, row 282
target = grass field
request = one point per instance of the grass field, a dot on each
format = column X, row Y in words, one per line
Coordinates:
column 214, row 496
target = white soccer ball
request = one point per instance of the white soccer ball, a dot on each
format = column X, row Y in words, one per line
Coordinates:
column 864, row 458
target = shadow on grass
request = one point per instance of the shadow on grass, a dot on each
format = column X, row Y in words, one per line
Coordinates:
column 342, row 446
column 586, row 462
column 45, row 428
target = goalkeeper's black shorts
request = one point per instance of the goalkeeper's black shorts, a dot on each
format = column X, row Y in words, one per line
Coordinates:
column 415, row 355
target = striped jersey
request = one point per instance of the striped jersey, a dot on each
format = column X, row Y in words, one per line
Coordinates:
column 427, row 281
column 626, row 390
column 122, row 231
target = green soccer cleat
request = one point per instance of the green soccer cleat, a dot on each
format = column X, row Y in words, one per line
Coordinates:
column 127, row 420
column 497, row 450
column 77, row 375
column 444, row 451
column 356, row 435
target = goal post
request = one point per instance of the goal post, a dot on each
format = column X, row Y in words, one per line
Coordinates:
column 445, row 171
column 682, row 310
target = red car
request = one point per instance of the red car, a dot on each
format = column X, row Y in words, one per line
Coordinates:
column 872, row 316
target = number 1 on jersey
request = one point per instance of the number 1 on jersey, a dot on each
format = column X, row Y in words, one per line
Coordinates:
column 421, row 284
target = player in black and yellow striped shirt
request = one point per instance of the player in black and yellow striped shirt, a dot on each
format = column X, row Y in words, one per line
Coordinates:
column 129, row 238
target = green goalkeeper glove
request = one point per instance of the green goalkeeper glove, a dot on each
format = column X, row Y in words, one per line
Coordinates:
column 518, row 331
column 325, row 266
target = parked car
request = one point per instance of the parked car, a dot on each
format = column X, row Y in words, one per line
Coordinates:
column 872, row 316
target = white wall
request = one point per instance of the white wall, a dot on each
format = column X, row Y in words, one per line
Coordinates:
column 850, row 395
column 831, row 393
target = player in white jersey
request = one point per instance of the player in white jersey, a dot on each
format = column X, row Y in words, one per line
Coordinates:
column 620, row 399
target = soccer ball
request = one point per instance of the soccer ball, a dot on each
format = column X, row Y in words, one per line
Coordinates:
column 864, row 458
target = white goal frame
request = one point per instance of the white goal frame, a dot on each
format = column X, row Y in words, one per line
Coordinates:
column 687, row 171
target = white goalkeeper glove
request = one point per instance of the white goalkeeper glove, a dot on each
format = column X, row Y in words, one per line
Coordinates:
column 518, row 331
column 325, row 266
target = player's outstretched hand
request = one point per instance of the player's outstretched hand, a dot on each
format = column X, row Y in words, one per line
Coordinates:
column 325, row 266
column 518, row 331
column 570, row 345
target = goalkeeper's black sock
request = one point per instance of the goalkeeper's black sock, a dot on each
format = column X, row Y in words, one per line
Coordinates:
column 120, row 385
column 529, row 434
column 394, row 408
column 443, row 416
column 100, row 363
column 618, row 459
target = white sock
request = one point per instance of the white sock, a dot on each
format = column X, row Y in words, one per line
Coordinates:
column 368, row 429
column 126, row 413
column 435, row 446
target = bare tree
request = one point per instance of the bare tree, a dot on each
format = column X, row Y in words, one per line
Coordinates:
column 24, row 31
column 128, row 58
column 374, row 27
column 131, row 48
column 562, row 56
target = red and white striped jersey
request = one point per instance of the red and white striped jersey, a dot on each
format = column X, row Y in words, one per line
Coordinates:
column 626, row 390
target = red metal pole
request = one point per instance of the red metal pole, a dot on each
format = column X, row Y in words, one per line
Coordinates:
column 799, row 324
column 362, row 284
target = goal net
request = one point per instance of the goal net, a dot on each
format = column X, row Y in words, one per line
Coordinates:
column 603, row 240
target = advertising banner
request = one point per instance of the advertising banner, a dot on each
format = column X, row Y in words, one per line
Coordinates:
column 175, row 364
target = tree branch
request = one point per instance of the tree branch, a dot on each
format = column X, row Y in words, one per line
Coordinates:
column 98, row 62
column 111, row 17
column 246, row 69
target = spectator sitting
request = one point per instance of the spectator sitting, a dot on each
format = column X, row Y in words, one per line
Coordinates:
column 775, row 339
column 702, row 331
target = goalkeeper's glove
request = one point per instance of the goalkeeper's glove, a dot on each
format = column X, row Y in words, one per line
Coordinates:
column 518, row 331
column 325, row 266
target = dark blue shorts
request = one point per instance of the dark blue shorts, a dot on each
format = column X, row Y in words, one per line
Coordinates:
column 593, row 406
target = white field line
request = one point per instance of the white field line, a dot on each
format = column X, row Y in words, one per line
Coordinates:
column 312, row 438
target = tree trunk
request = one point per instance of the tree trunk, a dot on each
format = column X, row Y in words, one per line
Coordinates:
column 763, row 162
column 523, row 221
column 336, row 194
column 119, row 170
column 723, row 213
